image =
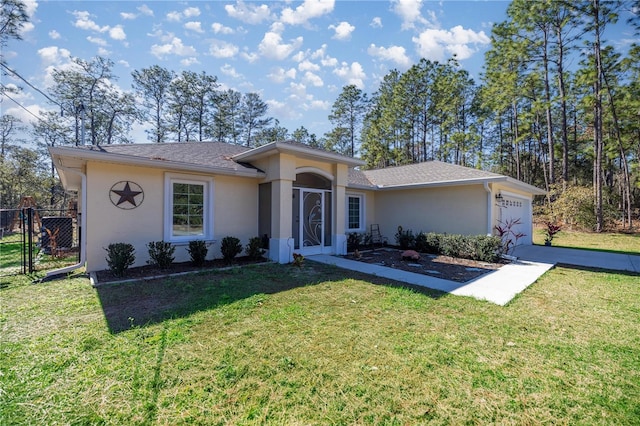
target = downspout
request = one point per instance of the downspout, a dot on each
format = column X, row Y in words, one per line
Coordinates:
column 489, row 209
column 83, row 229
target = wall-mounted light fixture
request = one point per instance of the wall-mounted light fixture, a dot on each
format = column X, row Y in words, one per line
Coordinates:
column 499, row 196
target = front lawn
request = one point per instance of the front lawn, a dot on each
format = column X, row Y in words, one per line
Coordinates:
column 609, row 241
column 275, row 344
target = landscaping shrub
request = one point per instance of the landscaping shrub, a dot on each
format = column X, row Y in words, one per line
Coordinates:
column 475, row 247
column 353, row 241
column 198, row 252
column 405, row 239
column 254, row 248
column 428, row 242
column 119, row 257
column 160, row 254
column 230, row 248
column 486, row 248
column 454, row 245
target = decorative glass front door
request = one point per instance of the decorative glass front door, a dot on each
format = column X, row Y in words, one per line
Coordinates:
column 311, row 227
column 312, row 219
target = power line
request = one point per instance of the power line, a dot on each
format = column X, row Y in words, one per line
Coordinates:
column 59, row 132
column 34, row 87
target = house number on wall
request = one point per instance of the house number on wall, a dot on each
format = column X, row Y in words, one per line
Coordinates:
column 126, row 195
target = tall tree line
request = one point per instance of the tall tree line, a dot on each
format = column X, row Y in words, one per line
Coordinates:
column 557, row 107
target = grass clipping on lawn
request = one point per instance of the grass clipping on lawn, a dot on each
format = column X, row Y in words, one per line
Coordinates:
column 276, row 344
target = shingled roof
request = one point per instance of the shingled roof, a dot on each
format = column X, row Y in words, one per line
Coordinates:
column 206, row 154
column 430, row 172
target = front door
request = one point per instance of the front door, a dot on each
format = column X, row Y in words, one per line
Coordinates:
column 311, row 221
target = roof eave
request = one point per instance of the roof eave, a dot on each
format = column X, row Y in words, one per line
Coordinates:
column 457, row 182
column 279, row 147
column 61, row 153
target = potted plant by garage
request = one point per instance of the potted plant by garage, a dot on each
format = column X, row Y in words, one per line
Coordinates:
column 550, row 232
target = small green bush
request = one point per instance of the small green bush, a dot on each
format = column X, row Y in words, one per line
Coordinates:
column 254, row 248
column 198, row 252
column 160, row 254
column 119, row 257
column 487, row 248
column 405, row 239
column 428, row 242
column 353, row 241
column 230, row 248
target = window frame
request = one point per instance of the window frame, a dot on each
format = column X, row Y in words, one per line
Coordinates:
column 207, row 205
column 361, row 198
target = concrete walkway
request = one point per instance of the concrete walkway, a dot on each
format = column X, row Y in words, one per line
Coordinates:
column 503, row 285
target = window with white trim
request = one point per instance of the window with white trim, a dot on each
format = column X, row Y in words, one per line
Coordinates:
column 355, row 212
column 188, row 208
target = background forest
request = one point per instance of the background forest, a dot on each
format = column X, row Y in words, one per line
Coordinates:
column 556, row 107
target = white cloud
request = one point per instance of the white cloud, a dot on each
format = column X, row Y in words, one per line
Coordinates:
column 410, row 13
column 307, row 65
column 351, row 74
column 313, row 79
column 84, row 22
column 54, row 35
column 250, row 57
column 103, row 52
column 128, row 16
column 145, row 10
column 219, row 28
column 175, row 47
column 117, row 33
column 376, row 22
column 191, row 12
column 222, row 49
column 174, row 16
column 272, row 46
column 308, row 10
column 280, row 75
column 124, row 63
column 227, row 69
column 343, row 30
column 53, row 55
column 438, row 45
column 249, row 13
column 186, row 62
column 195, row 26
column 97, row 40
column 395, row 54
column 325, row 60
column 319, row 104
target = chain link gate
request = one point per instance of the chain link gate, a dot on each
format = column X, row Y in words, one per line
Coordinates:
column 35, row 240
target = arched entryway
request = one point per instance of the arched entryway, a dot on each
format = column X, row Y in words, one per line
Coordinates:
column 312, row 222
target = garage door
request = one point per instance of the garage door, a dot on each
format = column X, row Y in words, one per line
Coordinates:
column 515, row 208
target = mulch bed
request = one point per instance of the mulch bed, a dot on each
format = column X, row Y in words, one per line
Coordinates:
column 150, row 271
column 445, row 267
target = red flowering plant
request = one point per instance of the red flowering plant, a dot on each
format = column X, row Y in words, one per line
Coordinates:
column 550, row 232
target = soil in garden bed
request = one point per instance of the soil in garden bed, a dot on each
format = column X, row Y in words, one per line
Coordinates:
column 150, row 271
column 444, row 267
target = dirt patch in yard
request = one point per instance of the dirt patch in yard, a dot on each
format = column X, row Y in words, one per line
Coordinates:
column 445, row 267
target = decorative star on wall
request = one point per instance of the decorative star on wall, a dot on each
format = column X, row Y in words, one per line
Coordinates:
column 126, row 195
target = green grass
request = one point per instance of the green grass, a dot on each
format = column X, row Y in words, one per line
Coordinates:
column 11, row 251
column 613, row 242
column 274, row 344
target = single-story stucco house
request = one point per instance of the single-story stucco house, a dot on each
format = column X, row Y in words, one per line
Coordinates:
column 301, row 199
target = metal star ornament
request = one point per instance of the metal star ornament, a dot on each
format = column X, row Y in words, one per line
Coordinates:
column 126, row 195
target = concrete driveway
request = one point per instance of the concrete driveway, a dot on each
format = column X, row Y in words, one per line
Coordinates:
column 579, row 257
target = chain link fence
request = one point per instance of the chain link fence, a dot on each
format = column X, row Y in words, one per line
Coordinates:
column 37, row 240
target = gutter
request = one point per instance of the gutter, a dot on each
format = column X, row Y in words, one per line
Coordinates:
column 83, row 228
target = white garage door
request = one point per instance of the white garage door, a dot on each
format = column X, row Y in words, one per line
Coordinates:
column 514, row 209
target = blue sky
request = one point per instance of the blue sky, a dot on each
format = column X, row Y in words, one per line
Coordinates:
column 296, row 55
